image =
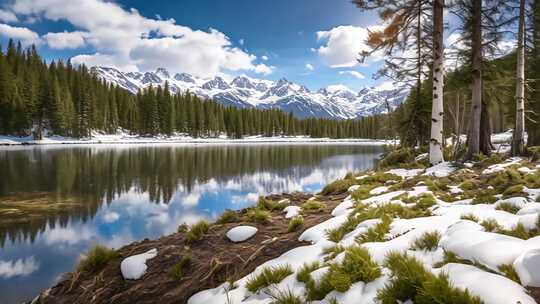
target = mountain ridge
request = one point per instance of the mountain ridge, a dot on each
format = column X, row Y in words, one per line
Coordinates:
column 245, row 92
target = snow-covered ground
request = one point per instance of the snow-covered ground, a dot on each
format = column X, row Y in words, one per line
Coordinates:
column 125, row 138
column 464, row 237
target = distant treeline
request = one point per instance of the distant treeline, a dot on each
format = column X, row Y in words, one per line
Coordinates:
column 72, row 101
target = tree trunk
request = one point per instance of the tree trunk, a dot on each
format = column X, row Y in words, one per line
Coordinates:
column 518, row 138
column 533, row 138
column 437, row 110
column 474, row 132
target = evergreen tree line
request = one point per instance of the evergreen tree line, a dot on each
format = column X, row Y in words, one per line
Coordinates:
column 72, row 101
column 483, row 93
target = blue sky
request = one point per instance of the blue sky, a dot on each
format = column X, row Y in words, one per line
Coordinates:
column 312, row 42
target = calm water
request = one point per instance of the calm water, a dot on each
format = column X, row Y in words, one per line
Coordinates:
column 56, row 202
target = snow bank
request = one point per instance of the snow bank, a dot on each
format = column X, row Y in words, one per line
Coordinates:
column 134, row 267
column 491, row 288
column 527, row 266
column 405, row 173
column 440, row 170
column 502, row 166
column 241, row 233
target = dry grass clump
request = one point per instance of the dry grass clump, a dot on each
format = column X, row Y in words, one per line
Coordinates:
column 256, row 215
column 470, row 217
column 228, row 216
column 179, row 268
column 197, row 231
column 428, row 241
column 97, row 258
column 295, row 223
column 312, row 206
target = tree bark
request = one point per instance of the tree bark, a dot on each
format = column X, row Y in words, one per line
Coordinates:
column 474, row 132
column 518, row 138
column 437, row 109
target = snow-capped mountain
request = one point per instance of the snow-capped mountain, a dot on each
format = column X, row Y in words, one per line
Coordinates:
column 336, row 102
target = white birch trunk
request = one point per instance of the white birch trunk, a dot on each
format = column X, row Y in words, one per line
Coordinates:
column 437, row 111
column 518, row 139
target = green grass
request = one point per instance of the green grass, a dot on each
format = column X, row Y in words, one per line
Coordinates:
column 97, row 258
column 518, row 231
column 483, row 197
column 285, row 297
column 508, row 207
column 256, row 215
column 197, row 231
column 303, row 274
column 403, row 158
column 470, row 217
column 516, row 190
column 377, row 232
column 339, row 186
column 333, row 251
column 357, row 265
column 469, row 184
column 266, row 204
column 490, row 225
column 295, row 223
column 228, row 216
column 267, row 277
column 428, row 241
column 409, row 280
column 538, row 199
column 335, row 234
column 179, row 269
column 503, row 180
column 312, row 206
column 508, row 271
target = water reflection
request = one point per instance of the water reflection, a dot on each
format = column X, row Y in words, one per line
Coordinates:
column 56, row 202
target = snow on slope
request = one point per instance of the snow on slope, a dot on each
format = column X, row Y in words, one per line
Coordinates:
column 336, row 102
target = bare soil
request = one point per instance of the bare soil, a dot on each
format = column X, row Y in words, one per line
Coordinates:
column 214, row 260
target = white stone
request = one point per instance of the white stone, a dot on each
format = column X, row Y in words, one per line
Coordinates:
column 241, row 233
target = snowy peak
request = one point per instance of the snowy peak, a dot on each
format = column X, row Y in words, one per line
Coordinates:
column 337, row 102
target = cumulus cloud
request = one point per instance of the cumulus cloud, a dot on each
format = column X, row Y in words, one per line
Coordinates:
column 264, row 57
column 20, row 267
column 264, row 69
column 23, row 34
column 111, row 217
column 7, row 16
column 126, row 39
column 309, row 67
column 343, row 45
column 353, row 73
column 65, row 40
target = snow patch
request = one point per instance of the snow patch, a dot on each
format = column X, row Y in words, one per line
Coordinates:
column 241, row 233
column 134, row 267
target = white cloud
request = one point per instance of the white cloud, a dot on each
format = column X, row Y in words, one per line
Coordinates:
column 65, row 40
column 343, row 45
column 264, row 57
column 7, row 16
column 111, row 217
column 125, row 39
column 191, row 200
column 385, row 86
column 20, row 267
column 309, row 67
column 23, row 34
column 241, row 41
column 337, row 87
column 353, row 73
column 264, row 69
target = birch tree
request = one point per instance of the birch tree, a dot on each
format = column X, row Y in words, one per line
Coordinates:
column 437, row 112
column 518, row 138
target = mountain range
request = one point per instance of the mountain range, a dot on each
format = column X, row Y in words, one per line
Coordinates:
column 336, row 102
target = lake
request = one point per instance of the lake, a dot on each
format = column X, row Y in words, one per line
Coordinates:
column 58, row 201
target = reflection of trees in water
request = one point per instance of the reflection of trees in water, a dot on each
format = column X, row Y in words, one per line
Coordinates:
column 96, row 175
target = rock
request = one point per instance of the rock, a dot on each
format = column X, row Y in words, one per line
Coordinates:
column 527, row 266
column 241, row 233
column 134, row 267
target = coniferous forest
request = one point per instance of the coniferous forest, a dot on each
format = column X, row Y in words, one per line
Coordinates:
column 71, row 101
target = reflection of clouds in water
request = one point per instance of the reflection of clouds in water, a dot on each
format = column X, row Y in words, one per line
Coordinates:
column 72, row 234
column 191, row 200
column 20, row 267
column 250, row 198
column 110, row 217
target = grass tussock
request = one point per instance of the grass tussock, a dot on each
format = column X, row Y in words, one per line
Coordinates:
column 97, row 258
column 403, row 158
column 508, row 207
column 179, row 269
column 295, row 223
column 267, row 277
column 470, row 217
column 285, row 297
column 491, row 225
column 376, row 233
column 357, row 265
column 303, row 274
column 508, row 271
column 333, row 251
column 428, row 241
column 482, row 196
column 312, row 206
column 339, row 186
column 256, row 215
column 516, row 190
column 197, row 231
column 228, row 216
column 267, row 204
column 411, row 281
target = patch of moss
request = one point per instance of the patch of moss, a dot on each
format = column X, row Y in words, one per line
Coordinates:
column 312, row 206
